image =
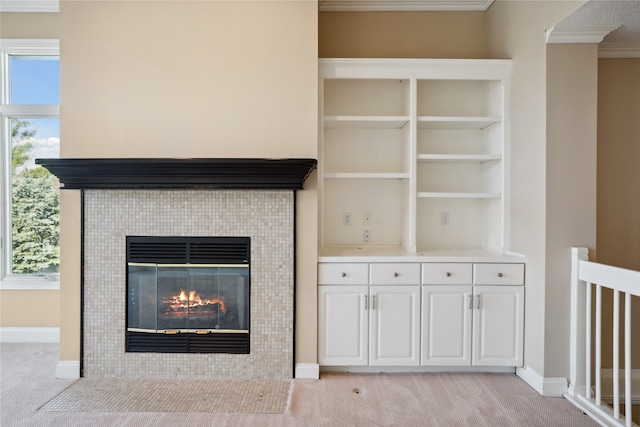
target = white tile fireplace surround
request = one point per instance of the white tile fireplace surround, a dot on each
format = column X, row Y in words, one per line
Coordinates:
column 266, row 216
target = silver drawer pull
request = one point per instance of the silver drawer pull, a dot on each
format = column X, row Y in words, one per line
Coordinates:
column 396, row 274
column 373, row 302
column 478, row 301
column 500, row 274
column 344, row 274
column 366, row 302
column 448, row 274
column 470, row 302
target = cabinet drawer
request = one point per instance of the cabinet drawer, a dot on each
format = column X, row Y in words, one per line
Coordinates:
column 395, row 274
column 447, row 273
column 498, row 274
column 343, row 274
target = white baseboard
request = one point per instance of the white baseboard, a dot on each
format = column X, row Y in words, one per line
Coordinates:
column 68, row 369
column 17, row 334
column 547, row 387
column 308, row 370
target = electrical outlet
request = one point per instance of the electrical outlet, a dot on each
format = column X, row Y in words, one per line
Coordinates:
column 346, row 218
column 366, row 218
column 366, row 236
column 444, row 218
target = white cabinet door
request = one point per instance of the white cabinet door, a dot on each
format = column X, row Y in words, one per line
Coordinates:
column 498, row 319
column 446, row 325
column 343, row 325
column 395, row 325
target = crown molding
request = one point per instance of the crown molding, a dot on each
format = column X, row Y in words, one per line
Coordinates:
column 578, row 34
column 619, row 50
column 403, row 5
column 29, row 6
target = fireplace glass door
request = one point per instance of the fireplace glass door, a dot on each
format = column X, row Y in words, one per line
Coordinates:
column 195, row 298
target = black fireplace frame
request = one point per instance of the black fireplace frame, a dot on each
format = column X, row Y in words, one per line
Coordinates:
column 188, row 251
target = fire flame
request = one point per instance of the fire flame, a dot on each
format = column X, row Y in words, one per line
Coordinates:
column 181, row 301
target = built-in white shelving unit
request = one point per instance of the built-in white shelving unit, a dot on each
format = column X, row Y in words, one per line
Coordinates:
column 413, row 153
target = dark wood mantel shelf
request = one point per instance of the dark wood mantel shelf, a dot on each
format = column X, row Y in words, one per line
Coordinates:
column 173, row 173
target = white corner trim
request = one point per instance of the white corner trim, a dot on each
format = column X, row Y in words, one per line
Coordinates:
column 18, row 334
column 69, row 369
column 619, row 50
column 547, row 387
column 308, row 370
column 29, row 6
column 578, row 34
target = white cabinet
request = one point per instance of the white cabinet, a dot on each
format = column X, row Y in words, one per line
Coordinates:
column 498, row 319
column 343, row 325
column 412, row 153
column 479, row 325
column 446, row 325
column 377, row 325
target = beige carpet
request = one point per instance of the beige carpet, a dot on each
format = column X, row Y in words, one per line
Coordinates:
column 175, row 395
column 27, row 380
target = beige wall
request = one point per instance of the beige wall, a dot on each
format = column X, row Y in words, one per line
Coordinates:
column 618, row 159
column 29, row 25
column 517, row 31
column 572, row 86
column 618, row 218
column 190, row 79
column 29, row 308
column 402, row 35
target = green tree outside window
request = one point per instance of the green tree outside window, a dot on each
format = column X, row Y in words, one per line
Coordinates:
column 35, row 202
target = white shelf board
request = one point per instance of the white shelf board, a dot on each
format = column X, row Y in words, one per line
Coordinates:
column 456, row 122
column 370, row 122
column 457, row 195
column 366, row 175
column 458, row 158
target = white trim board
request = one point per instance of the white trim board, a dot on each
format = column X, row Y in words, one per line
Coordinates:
column 29, row 6
column 307, row 370
column 68, row 369
column 547, row 387
column 20, row 334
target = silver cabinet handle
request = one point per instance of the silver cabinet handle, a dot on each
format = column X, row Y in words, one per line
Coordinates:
column 448, row 274
column 500, row 274
column 470, row 302
column 344, row 274
column 396, row 274
column 366, row 302
column 373, row 302
column 478, row 302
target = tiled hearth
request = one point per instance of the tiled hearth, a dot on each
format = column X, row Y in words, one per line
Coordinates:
column 266, row 216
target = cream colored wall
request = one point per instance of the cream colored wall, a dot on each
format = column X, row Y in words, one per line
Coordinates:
column 517, row 31
column 618, row 154
column 618, row 217
column 29, row 308
column 572, row 115
column 402, row 35
column 29, row 25
column 190, row 79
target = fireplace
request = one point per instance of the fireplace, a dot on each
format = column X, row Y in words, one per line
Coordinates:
column 186, row 200
column 188, row 294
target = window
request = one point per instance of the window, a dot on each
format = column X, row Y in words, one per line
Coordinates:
column 29, row 129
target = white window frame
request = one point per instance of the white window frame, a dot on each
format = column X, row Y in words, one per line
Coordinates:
column 19, row 47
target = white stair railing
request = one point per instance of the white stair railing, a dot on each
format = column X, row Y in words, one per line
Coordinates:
column 587, row 278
